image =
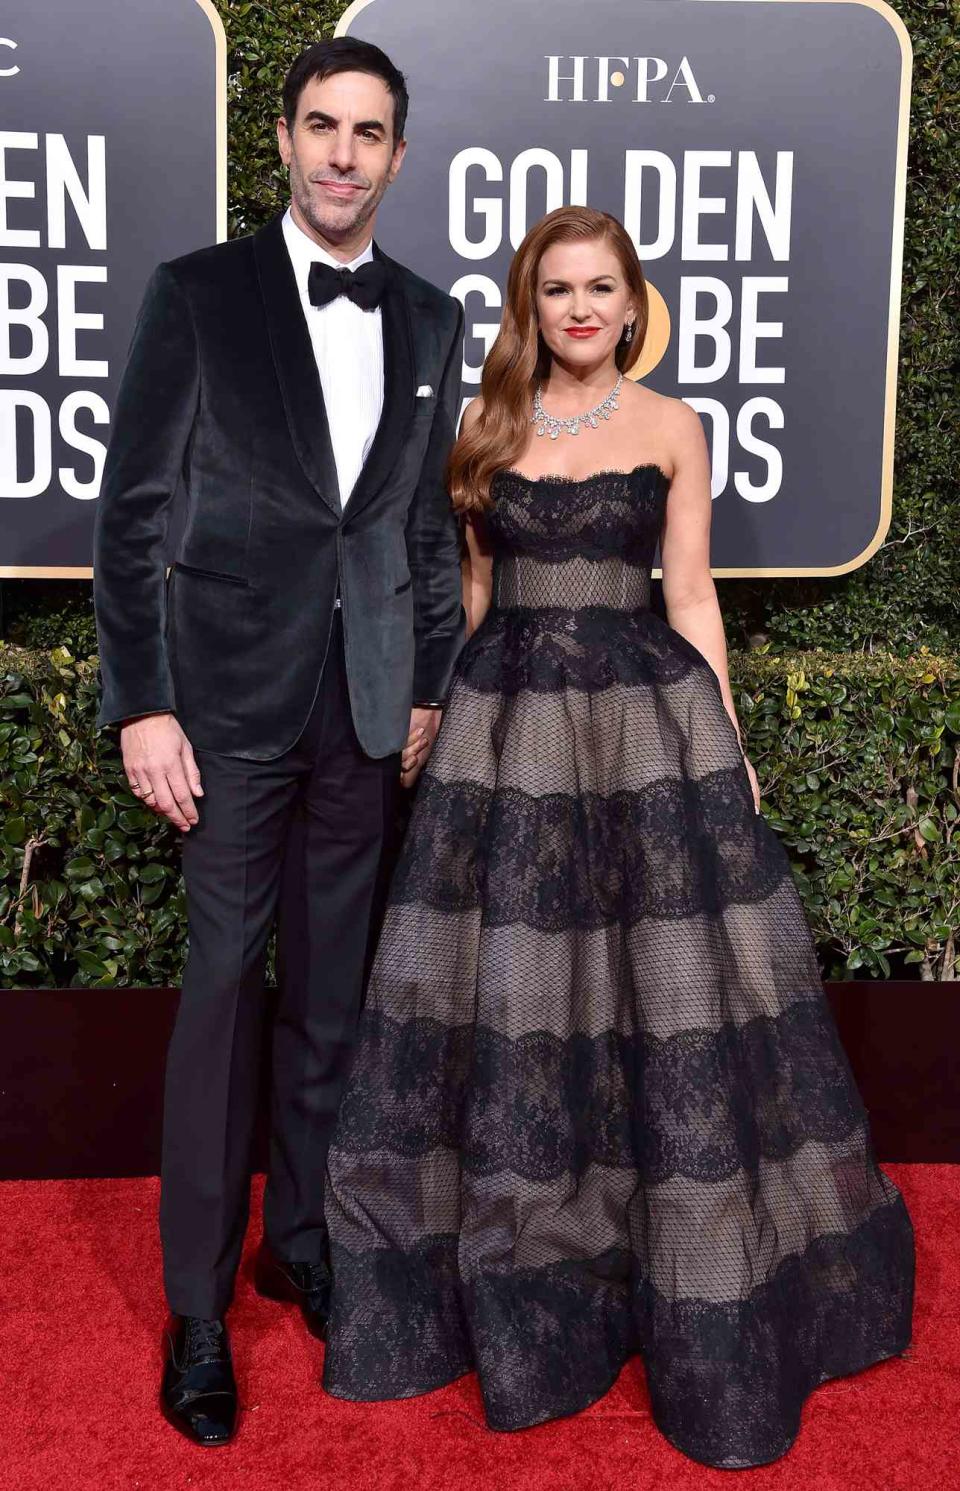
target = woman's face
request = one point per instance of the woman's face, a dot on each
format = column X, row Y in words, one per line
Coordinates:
column 583, row 302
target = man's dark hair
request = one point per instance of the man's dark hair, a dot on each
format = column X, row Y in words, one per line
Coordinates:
column 345, row 54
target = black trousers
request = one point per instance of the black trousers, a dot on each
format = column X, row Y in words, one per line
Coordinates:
column 307, row 834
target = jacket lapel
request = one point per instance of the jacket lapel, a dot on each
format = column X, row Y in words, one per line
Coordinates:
column 398, row 390
column 295, row 363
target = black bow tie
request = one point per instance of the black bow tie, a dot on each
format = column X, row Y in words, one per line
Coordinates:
column 364, row 286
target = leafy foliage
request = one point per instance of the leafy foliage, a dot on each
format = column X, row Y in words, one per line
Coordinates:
column 859, row 763
column 859, row 759
column 89, row 881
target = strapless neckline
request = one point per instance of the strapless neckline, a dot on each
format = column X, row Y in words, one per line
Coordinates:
column 579, row 481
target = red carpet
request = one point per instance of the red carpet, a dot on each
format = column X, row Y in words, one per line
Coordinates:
column 82, row 1317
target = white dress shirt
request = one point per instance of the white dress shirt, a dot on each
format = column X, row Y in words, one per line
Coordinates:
column 348, row 348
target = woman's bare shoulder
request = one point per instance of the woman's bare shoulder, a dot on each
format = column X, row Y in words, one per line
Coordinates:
column 669, row 426
column 472, row 413
column 661, row 410
column 684, row 435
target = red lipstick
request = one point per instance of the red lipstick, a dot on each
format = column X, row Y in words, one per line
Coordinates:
column 581, row 332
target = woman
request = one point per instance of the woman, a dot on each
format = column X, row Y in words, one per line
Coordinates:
column 599, row 1106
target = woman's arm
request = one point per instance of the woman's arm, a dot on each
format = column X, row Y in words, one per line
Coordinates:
column 477, row 570
column 476, row 564
column 689, row 593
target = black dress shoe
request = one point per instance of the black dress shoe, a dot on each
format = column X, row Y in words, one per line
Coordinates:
column 199, row 1394
column 303, row 1284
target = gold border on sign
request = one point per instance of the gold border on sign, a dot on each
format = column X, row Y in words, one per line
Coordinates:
column 896, row 278
column 85, row 571
column 350, row 14
column 220, row 63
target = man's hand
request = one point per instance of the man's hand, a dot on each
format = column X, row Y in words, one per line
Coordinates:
column 159, row 762
column 424, row 724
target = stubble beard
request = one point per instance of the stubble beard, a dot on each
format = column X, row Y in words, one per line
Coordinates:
column 335, row 228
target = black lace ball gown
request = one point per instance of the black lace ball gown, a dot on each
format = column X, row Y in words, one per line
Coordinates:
column 599, row 1105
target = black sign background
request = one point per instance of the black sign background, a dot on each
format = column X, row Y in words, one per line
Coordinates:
column 149, row 76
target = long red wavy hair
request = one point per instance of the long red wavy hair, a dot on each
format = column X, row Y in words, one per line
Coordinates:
column 519, row 358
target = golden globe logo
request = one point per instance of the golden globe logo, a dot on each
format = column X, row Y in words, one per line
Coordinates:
column 580, row 80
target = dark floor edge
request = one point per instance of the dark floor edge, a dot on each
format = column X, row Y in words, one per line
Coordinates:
column 81, row 1075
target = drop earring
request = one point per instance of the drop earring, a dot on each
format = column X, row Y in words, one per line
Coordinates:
column 628, row 333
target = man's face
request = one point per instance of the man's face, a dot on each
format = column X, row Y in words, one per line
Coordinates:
column 341, row 153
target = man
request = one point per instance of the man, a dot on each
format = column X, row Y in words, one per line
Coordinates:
column 305, row 387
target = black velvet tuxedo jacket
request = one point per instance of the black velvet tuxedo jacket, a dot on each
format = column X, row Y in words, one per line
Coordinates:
column 221, row 388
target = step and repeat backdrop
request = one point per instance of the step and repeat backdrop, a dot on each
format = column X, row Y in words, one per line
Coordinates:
column 755, row 150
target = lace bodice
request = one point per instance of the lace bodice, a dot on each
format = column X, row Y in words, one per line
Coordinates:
column 571, row 544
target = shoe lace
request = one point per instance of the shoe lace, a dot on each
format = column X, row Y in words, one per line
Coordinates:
column 204, row 1339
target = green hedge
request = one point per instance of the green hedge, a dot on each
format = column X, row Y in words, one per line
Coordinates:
column 858, row 758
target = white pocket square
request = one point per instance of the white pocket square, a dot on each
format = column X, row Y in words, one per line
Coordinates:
column 424, row 391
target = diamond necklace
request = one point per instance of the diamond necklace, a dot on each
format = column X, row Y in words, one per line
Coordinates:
column 549, row 424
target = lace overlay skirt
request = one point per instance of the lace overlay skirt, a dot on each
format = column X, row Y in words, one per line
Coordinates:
column 599, row 1105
